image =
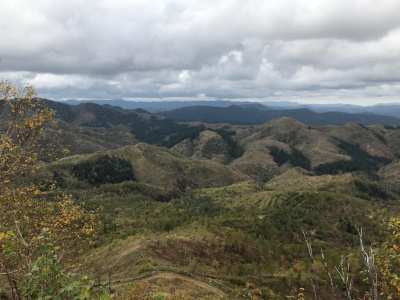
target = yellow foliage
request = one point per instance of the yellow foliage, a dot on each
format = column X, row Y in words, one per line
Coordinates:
column 24, row 208
column 23, row 119
column 387, row 261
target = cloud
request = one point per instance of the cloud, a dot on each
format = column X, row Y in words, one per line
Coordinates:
column 305, row 50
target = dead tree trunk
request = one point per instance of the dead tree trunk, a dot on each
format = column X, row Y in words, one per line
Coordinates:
column 370, row 268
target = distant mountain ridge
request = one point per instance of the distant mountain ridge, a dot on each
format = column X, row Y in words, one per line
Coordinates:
column 253, row 115
column 159, row 106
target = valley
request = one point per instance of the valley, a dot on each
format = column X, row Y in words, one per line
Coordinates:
column 217, row 211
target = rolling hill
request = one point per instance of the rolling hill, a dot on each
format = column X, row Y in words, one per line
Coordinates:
column 259, row 151
column 158, row 167
column 145, row 127
column 281, row 144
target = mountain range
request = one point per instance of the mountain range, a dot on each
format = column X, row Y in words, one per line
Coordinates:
column 258, row 151
column 159, row 106
column 256, row 114
column 244, row 114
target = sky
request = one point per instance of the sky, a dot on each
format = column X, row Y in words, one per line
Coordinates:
column 308, row 51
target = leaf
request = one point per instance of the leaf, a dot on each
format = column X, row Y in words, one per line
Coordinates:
column 105, row 296
column 33, row 267
column 45, row 264
column 49, row 289
column 85, row 294
column 3, row 235
column 45, row 249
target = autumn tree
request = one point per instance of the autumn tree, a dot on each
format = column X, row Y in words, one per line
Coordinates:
column 24, row 208
column 387, row 262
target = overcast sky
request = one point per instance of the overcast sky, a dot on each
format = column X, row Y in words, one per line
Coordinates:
column 313, row 51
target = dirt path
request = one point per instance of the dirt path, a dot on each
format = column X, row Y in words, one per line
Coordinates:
column 189, row 279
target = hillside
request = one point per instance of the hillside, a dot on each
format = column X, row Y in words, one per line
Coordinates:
column 157, row 167
column 145, row 127
column 314, row 145
column 208, row 144
column 229, row 235
column 83, row 139
column 281, row 144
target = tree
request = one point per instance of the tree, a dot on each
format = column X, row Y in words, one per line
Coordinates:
column 22, row 121
column 25, row 210
column 387, row 262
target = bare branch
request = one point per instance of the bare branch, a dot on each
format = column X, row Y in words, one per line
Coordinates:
column 344, row 276
column 333, row 286
column 314, row 281
column 370, row 268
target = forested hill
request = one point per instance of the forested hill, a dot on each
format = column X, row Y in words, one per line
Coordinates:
column 90, row 127
column 251, row 115
column 146, row 127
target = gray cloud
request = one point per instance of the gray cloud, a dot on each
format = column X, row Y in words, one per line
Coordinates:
column 309, row 50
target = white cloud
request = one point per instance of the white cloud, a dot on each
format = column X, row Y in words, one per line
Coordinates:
column 184, row 76
column 298, row 50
